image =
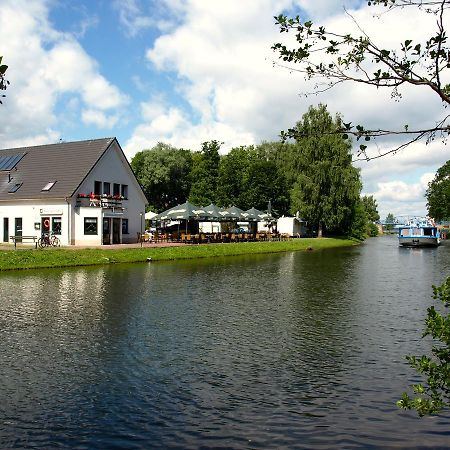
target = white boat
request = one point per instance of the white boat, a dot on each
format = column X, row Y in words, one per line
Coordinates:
column 419, row 233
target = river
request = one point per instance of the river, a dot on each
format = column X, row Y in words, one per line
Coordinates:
column 293, row 350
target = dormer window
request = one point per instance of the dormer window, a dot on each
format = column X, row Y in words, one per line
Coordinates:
column 49, row 185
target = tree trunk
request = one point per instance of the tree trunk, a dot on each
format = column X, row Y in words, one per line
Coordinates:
column 319, row 231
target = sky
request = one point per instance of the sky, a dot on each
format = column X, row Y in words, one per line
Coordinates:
column 187, row 71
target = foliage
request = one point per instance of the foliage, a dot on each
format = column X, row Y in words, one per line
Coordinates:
column 3, row 81
column 372, row 230
column 390, row 219
column 371, row 207
column 327, row 187
column 359, row 224
column 247, row 178
column 336, row 57
column 164, row 174
column 438, row 194
column 435, row 394
column 204, row 175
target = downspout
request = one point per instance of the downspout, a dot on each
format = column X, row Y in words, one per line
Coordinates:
column 69, row 222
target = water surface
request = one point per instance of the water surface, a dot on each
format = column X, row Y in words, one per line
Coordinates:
column 294, row 350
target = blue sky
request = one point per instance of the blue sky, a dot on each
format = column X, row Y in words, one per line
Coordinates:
column 187, row 71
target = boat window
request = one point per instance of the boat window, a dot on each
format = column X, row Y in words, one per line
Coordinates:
column 405, row 232
column 428, row 231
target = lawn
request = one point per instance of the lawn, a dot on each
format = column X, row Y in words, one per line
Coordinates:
column 49, row 257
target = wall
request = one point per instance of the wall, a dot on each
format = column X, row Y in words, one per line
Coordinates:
column 32, row 213
column 112, row 168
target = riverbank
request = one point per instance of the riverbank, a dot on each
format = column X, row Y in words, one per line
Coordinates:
column 65, row 257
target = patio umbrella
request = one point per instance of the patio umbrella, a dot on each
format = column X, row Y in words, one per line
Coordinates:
column 186, row 211
column 254, row 214
column 232, row 213
column 213, row 210
column 150, row 215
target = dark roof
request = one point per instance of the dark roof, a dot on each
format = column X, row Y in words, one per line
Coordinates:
column 67, row 163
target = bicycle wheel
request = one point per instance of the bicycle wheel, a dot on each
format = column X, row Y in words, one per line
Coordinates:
column 42, row 243
column 55, row 241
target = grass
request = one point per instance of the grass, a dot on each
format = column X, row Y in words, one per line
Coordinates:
column 32, row 258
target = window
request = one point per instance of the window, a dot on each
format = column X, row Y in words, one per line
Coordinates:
column 90, row 225
column 124, row 226
column 56, row 225
column 14, row 188
column 116, row 189
column 125, row 190
column 97, row 187
column 49, row 185
column 106, row 188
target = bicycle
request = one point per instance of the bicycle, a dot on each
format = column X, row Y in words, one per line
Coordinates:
column 48, row 240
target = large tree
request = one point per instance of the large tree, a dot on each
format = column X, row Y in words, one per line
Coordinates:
column 205, row 171
column 438, row 194
column 371, row 208
column 331, row 57
column 164, row 174
column 327, row 189
column 248, row 178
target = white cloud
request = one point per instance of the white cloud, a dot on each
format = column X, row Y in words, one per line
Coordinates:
column 222, row 62
column 44, row 66
column 132, row 17
column 99, row 119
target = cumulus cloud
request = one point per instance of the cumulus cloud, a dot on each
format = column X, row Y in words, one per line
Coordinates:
column 224, row 70
column 44, row 66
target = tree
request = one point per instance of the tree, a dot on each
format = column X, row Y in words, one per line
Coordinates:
column 247, row 177
column 327, row 188
column 164, row 174
column 435, row 394
column 438, row 194
column 336, row 58
column 371, row 207
column 3, row 81
column 390, row 219
column 204, row 175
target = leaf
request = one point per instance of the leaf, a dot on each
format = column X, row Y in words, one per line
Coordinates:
column 363, row 147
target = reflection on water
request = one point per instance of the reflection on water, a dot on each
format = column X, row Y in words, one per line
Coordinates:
column 298, row 350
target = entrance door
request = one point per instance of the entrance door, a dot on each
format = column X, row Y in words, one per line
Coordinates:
column 116, row 231
column 106, row 231
column 45, row 225
column 5, row 229
column 18, row 228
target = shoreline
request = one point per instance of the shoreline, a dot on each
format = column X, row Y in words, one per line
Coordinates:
column 27, row 258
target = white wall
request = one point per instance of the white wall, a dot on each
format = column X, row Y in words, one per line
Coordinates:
column 112, row 168
column 32, row 213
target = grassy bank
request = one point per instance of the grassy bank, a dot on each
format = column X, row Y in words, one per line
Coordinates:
column 32, row 258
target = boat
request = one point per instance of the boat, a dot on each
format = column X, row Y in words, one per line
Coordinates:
column 419, row 232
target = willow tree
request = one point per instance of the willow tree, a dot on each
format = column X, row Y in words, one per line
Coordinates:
column 327, row 187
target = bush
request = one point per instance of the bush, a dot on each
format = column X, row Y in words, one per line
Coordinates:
column 372, row 230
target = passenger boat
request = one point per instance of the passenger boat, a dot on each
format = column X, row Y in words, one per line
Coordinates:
column 419, row 233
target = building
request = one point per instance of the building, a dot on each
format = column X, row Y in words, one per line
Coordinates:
column 84, row 192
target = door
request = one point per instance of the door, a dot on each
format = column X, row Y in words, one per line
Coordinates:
column 18, row 228
column 106, row 231
column 5, row 229
column 45, row 225
column 116, row 231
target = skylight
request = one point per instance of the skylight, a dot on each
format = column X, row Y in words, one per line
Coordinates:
column 14, row 188
column 49, row 185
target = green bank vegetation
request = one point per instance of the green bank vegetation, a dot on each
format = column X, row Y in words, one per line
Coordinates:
column 34, row 259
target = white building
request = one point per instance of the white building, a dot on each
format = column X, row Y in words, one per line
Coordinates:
column 84, row 192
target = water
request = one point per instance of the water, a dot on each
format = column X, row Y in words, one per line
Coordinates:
column 296, row 350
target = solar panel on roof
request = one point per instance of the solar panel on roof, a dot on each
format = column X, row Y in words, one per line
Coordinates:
column 8, row 162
